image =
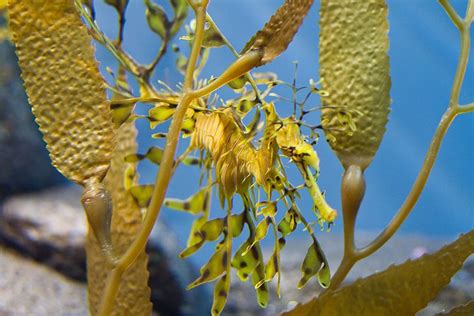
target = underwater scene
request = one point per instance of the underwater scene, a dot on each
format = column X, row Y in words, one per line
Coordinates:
column 198, row 157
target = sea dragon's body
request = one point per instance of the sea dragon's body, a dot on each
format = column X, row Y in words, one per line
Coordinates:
column 236, row 159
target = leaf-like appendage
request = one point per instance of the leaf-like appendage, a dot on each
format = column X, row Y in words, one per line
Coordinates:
column 221, row 291
column 195, row 204
column 157, row 19
column 64, row 86
column 154, row 154
column 245, row 261
column 133, row 297
column 209, row 231
column 258, row 277
column 142, row 194
column 399, row 290
column 216, row 266
column 355, row 72
column 315, row 263
column 278, row 33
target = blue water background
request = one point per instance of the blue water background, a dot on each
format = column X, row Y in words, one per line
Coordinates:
column 424, row 49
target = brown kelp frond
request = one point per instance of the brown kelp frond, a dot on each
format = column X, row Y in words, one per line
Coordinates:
column 279, row 31
column 67, row 95
column 71, row 109
column 400, row 290
column 354, row 67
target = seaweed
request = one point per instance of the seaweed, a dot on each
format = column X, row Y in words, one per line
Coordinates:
column 400, row 290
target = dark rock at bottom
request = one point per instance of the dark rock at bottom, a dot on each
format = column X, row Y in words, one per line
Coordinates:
column 50, row 227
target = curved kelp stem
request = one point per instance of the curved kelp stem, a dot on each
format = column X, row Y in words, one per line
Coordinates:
column 352, row 184
column 163, row 177
column 238, row 68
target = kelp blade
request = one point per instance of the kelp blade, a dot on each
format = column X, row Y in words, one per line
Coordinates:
column 354, row 68
column 64, row 86
column 279, row 31
column 400, row 290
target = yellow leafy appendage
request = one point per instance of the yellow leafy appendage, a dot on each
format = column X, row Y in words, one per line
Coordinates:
column 64, row 86
column 355, row 72
column 133, row 297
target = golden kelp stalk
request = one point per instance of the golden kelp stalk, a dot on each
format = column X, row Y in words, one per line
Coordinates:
column 133, row 296
column 353, row 44
column 354, row 68
column 67, row 94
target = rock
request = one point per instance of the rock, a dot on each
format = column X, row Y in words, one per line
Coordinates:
column 50, row 227
column 242, row 299
column 29, row 288
column 20, row 139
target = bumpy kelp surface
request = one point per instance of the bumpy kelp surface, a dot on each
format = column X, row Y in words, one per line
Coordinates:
column 64, row 86
column 133, row 297
column 354, row 68
column 279, row 31
column 399, row 290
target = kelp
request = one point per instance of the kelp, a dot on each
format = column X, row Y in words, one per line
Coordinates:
column 75, row 119
column 400, row 290
column 354, row 68
column 279, row 31
column 71, row 110
column 133, row 297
